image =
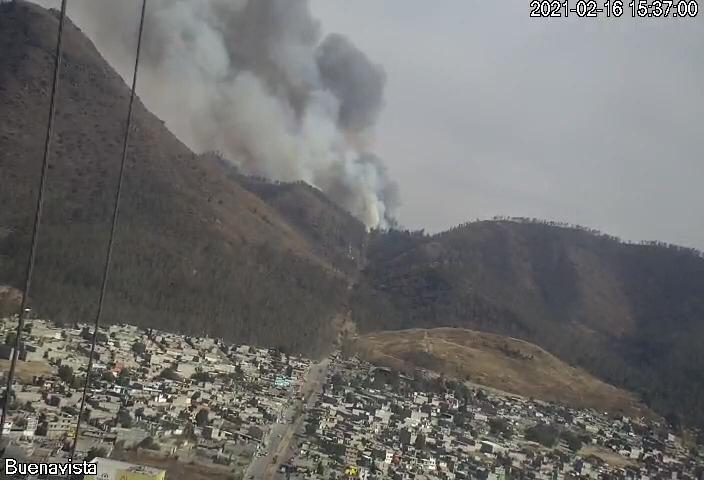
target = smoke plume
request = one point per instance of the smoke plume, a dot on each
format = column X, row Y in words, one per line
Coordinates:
column 257, row 81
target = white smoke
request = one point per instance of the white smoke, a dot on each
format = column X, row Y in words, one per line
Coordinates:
column 256, row 80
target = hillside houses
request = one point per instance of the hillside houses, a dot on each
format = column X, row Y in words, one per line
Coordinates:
column 203, row 401
column 427, row 428
column 195, row 397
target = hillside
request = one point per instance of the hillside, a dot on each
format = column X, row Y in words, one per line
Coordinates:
column 332, row 232
column 195, row 250
column 495, row 361
column 632, row 315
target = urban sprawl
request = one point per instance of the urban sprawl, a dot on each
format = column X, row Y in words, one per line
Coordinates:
column 158, row 400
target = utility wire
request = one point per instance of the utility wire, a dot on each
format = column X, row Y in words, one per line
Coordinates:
column 113, row 228
column 37, row 219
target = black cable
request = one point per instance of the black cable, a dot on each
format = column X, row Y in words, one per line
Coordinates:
column 37, row 219
column 113, row 228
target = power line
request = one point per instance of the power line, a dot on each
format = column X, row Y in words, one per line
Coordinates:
column 37, row 219
column 113, row 228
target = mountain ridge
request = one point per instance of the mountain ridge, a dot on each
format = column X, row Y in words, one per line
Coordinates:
column 630, row 314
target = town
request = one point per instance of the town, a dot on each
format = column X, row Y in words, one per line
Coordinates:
column 196, row 400
column 376, row 423
column 162, row 405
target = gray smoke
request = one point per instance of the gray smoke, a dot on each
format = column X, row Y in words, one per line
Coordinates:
column 256, row 80
column 358, row 85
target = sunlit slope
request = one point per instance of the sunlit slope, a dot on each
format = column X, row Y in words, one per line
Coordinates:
column 499, row 362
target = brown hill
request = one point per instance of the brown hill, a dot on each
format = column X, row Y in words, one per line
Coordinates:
column 631, row 314
column 194, row 251
column 499, row 362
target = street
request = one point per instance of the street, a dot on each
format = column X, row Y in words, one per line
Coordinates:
column 278, row 443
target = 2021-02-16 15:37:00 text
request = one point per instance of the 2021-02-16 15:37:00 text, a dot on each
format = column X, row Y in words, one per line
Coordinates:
column 614, row 8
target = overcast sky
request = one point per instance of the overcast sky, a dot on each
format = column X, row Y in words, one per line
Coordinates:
column 491, row 112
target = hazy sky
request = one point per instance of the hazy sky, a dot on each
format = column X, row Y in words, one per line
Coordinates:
column 491, row 112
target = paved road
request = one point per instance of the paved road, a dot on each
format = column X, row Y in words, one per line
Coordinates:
column 279, row 438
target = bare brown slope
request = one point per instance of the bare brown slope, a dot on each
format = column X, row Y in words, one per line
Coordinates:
column 195, row 250
column 499, row 362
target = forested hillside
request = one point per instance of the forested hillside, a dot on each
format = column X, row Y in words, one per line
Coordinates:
column 195, row 251
column 631, row 314
column 335, row 234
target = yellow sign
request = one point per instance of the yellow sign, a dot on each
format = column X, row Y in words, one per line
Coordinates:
column 125, row 475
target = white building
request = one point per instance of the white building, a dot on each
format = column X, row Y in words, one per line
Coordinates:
column 7, row 428
column 30, row 427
